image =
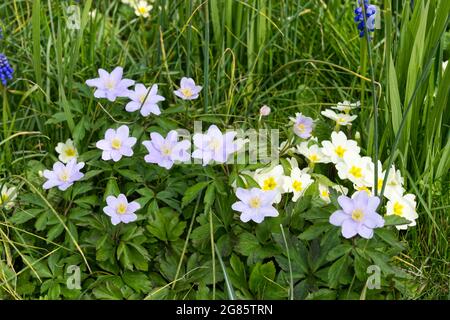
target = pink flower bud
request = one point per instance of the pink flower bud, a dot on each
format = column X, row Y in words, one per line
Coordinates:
column 264, row 111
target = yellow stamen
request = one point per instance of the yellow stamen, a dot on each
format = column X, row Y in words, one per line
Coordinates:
column 255, row 202
column 301, row 127
column 269, row 184
column 398, row 209
column 3, row 198
column 186, row 92
column 340, row 151
column 166, row 151
column 357, row 215
column 64, row 176
column 313, row 158
column 380, row 184
column 70, row 152
column 356, row 172
column 121, row 208
column 325, row 193
column 142, row 10
column 297, row 185
column 116, row 143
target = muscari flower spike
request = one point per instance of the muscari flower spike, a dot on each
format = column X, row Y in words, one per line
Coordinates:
column 370, row 17
column 6, row 72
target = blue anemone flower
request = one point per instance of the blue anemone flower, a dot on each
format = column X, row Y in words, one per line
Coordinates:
column 371, row 11
column 6, row 71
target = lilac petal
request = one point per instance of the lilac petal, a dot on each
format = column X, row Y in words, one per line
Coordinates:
column 373, row 220
column 361, row 199
column 99, row 93
column 179, row 94
column 97, row 82
column 199, row 140
column 111, row 201
column 239, row 206
column 131, row 141
column 115, row 155
column 268, row 211
column 186, row 82
column 122, row 198
column 245, row 216
column 123, row 132
column 110, row 134
column 372, row 204
column 147, row 109
column 165, row 163
column 349, row 228
column 115, row 219
column 51, row 175
column 126, row 218
column 103, row 145
column 172, row 137
column 338, row 217
column 65, row 186
column 116, row 74
column 243, row 194
column 132, row 207
column 132, row 106
column 346, row 203
column 50, row 184
column 111, row 96
column 157, row 139
column 258, row 218
column 109, row 211
column 106, row 155
column 104, row 75
column 365, row 232
column 267, row 197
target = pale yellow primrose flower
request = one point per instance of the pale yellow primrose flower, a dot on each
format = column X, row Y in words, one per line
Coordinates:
column 66, row 151
column 271, row 179
column 324, row 191
column 313, row 153
column 405, row 207
column 7, row 196
column 341, row 119
column 297, row 183
column 339, row 146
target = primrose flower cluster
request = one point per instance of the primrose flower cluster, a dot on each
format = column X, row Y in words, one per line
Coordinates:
column 211, row 146
column 358, row 214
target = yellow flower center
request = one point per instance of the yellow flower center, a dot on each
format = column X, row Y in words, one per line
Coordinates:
column 110, row 84
column 269, row 184
column 121, row 208
column 70, row 152
column 64, row 176
column 116, row 143
column 142, row 98
column 357, row 215
column 187, row 92
column 255, row 202
column 364, row 188
column 142, row 10
column 325, row 193
column 398, row 209
column 214, row 144
column 3, row 198
column 356, row 172
column 340, row 120
column 297, row 185
column 313, row 157
column 301, row 127
column 340, row 151
column 166, row 151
